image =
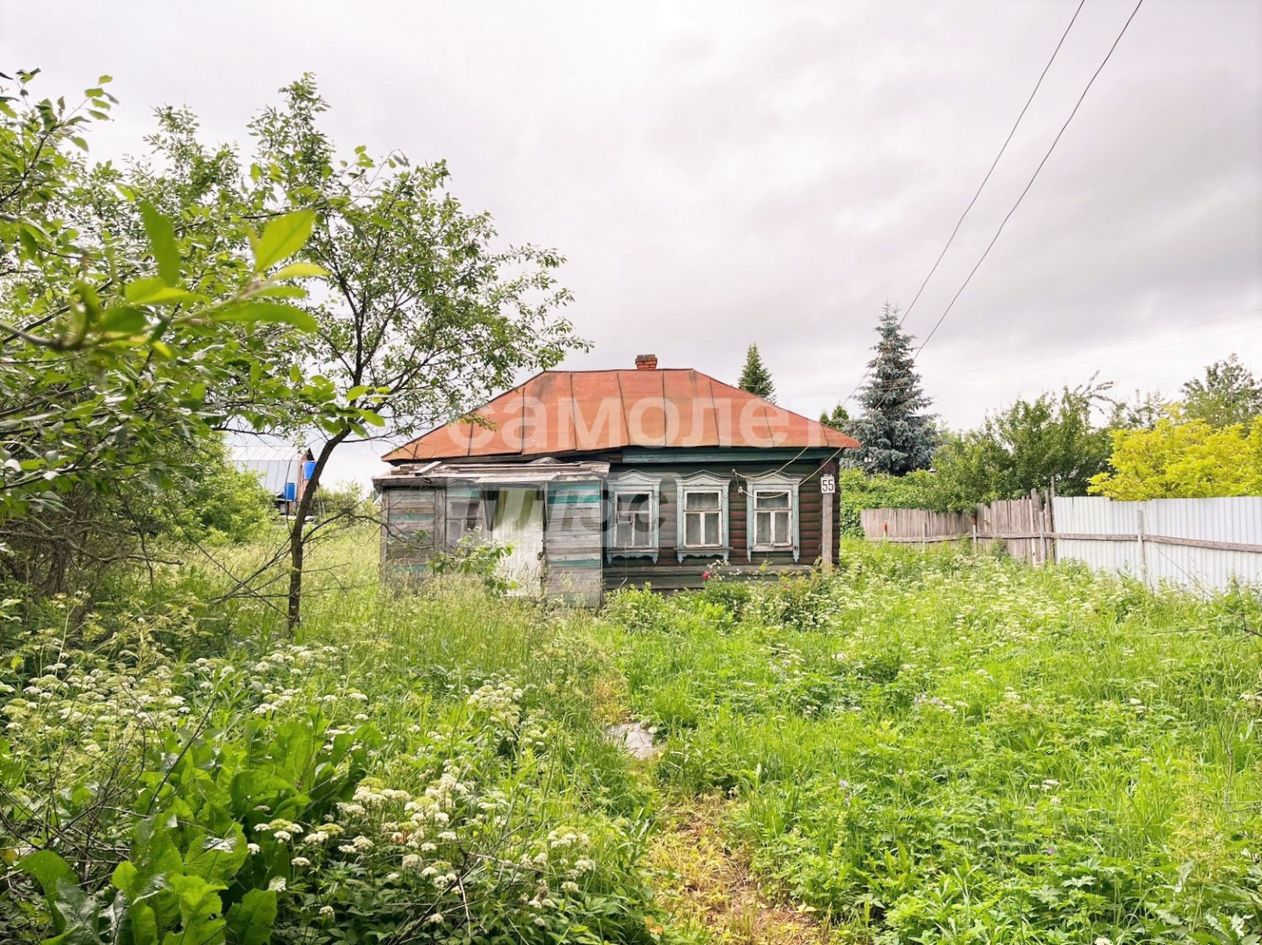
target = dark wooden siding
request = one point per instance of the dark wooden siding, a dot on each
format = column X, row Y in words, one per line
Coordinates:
column 668, row 573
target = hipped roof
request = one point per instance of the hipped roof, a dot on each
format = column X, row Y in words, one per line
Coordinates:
column 559, row 412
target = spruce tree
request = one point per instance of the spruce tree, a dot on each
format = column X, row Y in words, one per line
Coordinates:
column 755, row 377
column 896, row 432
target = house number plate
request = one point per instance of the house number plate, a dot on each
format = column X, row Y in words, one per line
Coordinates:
column 828, row 484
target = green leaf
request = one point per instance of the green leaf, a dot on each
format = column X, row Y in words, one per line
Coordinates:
column 272, row 312
column 46, row 868
column 124, row 320
column 155, row 291
column 144, row 924
column 162, row 241
column 199, row 905
column 301, row 270
column 250, row 920
column 280, row 292
column 281, row 238
column 216, row 859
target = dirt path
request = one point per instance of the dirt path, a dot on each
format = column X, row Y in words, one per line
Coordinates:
column 705, row 884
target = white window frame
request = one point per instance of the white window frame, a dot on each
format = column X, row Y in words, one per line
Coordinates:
column 773, row 482
column 697, row 483
column 634, row 483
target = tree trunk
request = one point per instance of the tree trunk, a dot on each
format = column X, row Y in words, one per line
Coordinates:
column 297, row 532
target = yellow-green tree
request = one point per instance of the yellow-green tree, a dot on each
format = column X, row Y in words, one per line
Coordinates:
column 1179, row 459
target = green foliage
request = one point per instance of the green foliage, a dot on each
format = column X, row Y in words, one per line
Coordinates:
column 755, row 377
column 1024, row 447
column 1228, row 394
column 424, row 769
column 858, row 490
column 214, row 501
column 896, row 436
column 1179, row 459
column 475, row 558
column 838, row 418
column 917, row 752
column 104, row 365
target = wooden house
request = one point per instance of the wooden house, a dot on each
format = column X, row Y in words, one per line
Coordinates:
column 600, row 479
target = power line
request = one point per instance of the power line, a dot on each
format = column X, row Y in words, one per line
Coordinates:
column 980, row 187
column 995, row 163
column 1030, row 183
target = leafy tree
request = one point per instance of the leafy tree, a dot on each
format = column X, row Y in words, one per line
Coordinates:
column 1027, row 446
column 755, row 377
column 1229, row 393
column 838, row 418
column 895, row 433
column 427, row 313
column 1142, row 411
column 1182, row 459
column 127, row 334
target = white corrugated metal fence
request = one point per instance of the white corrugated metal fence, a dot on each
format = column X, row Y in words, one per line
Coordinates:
column 1201, row 544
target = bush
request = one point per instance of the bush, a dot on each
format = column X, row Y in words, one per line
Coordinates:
column 857, row 491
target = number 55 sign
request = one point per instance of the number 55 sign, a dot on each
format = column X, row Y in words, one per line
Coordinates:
column 828, row 484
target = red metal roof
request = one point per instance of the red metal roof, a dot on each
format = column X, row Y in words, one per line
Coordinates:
column 594, row 411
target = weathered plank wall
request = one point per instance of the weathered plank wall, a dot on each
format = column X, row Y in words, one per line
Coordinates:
column 572, row 538
column 414, row 527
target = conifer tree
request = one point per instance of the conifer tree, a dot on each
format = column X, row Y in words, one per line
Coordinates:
column 896, row 432
column 755, row 377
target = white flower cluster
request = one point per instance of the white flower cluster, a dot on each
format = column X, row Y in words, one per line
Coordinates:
column 501, row 701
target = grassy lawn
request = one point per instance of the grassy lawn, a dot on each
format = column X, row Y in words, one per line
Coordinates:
column 913, row 749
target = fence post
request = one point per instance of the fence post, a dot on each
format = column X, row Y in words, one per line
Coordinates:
column 924, row 536
column 1139, row 537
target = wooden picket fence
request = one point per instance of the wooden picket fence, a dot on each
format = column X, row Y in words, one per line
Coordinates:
column 1023, row 526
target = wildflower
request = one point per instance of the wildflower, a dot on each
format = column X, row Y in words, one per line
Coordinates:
column 326, row 912
column 253, row 847
column 411, row 862
column 300, row 861
column 436, row 919
column 277, row 884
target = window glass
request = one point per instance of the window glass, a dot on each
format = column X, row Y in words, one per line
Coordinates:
column 772, row 500
column 697, row 501
column 633, row 523
column 773, row 520
column 703, row 510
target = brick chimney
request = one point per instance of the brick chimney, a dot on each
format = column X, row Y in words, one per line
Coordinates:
column 646, row 362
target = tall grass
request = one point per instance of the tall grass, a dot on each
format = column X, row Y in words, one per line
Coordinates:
column 947, row 749
column 922, row 747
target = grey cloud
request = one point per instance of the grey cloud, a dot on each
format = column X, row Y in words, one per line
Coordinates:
column 720, row 173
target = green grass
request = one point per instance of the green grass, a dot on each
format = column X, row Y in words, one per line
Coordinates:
column 946, row 749
column 919, row 748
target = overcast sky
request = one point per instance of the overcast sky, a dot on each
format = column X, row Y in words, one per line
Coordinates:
column 725, row 173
